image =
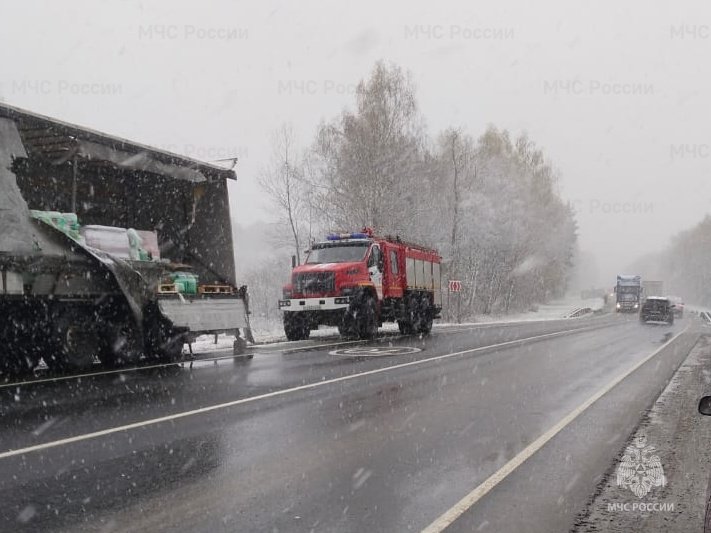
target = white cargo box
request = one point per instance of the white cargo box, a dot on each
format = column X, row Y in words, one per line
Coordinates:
column 11, row 283
column 115, row 241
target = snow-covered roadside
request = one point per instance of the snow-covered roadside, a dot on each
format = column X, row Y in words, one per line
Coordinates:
column 554, row 310
column 272, row 331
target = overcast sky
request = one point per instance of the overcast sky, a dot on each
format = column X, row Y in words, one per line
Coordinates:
column 616, row 93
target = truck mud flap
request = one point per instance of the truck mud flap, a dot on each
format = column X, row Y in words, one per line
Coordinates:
column 206, row 315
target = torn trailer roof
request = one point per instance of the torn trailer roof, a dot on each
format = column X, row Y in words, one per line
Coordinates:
column 50, row 165
column 59, row 141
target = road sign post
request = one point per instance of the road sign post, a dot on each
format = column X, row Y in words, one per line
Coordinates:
column 455, row 285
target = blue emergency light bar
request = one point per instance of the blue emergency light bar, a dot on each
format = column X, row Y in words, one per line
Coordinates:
column 342, row 236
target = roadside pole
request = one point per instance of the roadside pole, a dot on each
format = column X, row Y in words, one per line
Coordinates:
column 455, row 285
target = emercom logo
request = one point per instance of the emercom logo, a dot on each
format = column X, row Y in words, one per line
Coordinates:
column 640, row 469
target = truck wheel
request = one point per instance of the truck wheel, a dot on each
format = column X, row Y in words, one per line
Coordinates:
column 170, row 350
column 21, row 352
column 162, row 342
column 426, row 322
column 405, row 327
column 74, row 344
column 368, row 319
column 421, row 315
column 18, row 361
column 120, row 346
column 296, row 327
column 345, row 329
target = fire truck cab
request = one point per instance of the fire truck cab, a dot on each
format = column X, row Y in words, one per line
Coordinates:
column 357, row 281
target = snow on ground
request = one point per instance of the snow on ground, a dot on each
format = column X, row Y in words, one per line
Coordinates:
column 272, row 330
column 551, row 311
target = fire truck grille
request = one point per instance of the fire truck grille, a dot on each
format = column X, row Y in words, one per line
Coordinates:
column 315, row 283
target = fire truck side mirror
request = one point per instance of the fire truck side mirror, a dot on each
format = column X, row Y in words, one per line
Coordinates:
column 293, row 261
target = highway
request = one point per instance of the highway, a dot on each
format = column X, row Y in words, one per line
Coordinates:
column 501, row 427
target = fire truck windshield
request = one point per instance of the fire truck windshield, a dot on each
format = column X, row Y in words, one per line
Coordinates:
column 337, row 253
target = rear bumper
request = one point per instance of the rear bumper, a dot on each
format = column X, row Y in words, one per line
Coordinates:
column 315, row 304
column 656, row 317
column 205, row 315
column 627, row 308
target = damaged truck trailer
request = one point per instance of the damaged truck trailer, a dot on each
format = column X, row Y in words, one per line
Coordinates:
column 110, row 251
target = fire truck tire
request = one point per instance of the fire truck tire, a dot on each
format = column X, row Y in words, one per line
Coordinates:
column 295, row 327
column 405, row 327
column 345, row 330
column 422, row 316
column 368, row 319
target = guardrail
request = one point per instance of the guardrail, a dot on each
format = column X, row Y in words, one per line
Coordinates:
column 578, row 312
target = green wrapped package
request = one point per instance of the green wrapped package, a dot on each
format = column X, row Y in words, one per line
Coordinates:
column 185, row 282
column 67, row 223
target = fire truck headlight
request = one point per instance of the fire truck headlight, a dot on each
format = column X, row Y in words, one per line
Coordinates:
column 618, row 306
column 636, row 306
column 284, row 303
column 340, row 301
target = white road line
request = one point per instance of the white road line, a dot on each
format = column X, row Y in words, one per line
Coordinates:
column 307, row 348
column 185, row 414
column 259, row 347
column 463, row 505
column 117, row 371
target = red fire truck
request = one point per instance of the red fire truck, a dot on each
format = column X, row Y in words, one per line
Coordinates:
column 357, row 281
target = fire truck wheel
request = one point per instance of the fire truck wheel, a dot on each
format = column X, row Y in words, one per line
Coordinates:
column 345, row 330
column 421, row 316
column 426, row 324
column 368, row 319
column 405, row 327
column 295, row 327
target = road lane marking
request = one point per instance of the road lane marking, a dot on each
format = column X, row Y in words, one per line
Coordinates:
column 466, row 503
column 163, row 365
column 443, row 331
column 376, row 351
column 309, row 386
column 121, row 370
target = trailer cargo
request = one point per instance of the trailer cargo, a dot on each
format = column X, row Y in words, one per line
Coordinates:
column 73, row 295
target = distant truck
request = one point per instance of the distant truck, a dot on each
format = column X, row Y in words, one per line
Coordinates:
column 652, row 288
column 628, row 294
column 357, row 281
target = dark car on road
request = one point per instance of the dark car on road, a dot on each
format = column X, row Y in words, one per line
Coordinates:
column 657, row 309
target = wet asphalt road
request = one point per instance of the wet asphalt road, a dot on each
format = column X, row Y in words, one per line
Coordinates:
column 301, row 439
